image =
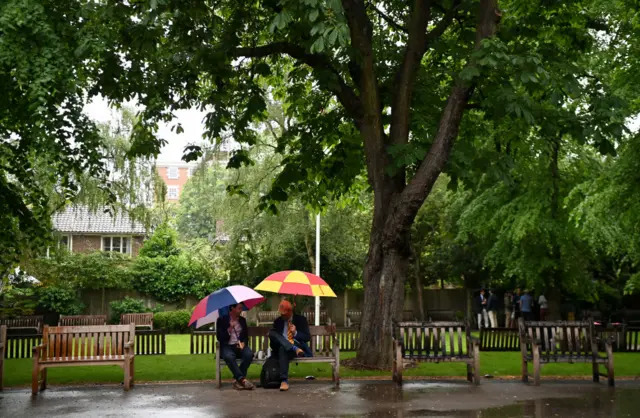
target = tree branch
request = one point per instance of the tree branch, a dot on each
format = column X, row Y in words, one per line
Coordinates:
column 406, row 74
column 406, row 206
column 442, row 26
column 319, row 62
column 389, row 20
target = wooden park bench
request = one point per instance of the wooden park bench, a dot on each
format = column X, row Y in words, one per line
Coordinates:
column 24, row 322
column 84, row 346
column 266, row 318
column 3, row 347
column 324, row 345
column 435, row 342
column 562, row 342
column 354, row 317
column 311, row 317
column 139, row 319
column 441, row 315
column 82, row 320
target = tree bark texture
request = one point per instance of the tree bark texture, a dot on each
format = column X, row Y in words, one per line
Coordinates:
column 397, row 202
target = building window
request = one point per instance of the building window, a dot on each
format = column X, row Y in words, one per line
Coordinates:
column 117, row 244
column 173, row 173
column 65, row 242
column 173, row 192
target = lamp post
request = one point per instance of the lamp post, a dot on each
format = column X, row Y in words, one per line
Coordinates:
column 317, row 322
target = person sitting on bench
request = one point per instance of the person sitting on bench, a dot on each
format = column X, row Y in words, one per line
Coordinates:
column 233, row 335
column 289, row 339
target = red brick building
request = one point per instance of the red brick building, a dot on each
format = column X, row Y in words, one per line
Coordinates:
column 83, row 231
column 175, row 176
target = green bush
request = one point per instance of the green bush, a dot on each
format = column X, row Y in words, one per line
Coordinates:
column 172, row 322
column 126, row 305
column 61, row 298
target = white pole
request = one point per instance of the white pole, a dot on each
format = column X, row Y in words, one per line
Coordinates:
column 317, row 266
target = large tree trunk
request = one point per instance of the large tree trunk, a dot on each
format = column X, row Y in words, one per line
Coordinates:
column 420, row 290
column 384, row 274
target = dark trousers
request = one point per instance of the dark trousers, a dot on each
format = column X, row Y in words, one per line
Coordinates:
column 283, row 349
column 231, row 353
column 528, row 316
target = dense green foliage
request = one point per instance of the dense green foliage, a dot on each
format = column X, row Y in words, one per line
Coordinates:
column 174, row 322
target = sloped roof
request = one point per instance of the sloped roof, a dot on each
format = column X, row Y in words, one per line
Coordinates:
column 79, row 219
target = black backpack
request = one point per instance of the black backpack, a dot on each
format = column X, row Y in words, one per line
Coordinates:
column 270, row 375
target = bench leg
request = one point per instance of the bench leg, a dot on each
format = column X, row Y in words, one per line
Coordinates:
column 476, row 364
column 133, row 370
column 399, row 365
column 596, row 372
column 469, row 372
column 127, row 374
column 218, row 376
column 335, row 371
column 536, row 365
column 525, row 371
column 43, row 383
column 610, row 377
column 34, row 379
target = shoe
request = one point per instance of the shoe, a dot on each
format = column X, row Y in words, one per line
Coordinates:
column 246, row 385
column 237, row 386
column 284, row 386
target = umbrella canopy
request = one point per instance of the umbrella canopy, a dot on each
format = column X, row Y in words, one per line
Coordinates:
column 294, row 282
column 207, row 310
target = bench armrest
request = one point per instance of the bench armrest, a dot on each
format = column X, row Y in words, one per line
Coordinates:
column 37, row 350
column 129, row 347
column 608, row 341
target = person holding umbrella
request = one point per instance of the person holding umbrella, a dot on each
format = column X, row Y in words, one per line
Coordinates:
column 289, row 339
column 232, row 333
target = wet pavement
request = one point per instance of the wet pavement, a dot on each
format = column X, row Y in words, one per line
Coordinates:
column 493, row 399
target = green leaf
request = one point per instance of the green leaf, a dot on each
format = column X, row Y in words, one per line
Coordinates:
column 318, row 45
column 313, row 15
column 469, row 72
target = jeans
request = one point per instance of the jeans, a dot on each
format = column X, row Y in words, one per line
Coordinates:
column 231, row 353
column 284, row 350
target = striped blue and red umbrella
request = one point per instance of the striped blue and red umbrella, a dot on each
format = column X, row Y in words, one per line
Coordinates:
column 207, row 310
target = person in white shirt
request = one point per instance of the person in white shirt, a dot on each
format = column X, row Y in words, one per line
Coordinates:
column 542, row 302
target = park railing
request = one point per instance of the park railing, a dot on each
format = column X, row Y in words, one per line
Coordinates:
column 148, row 343
column 204, row 342
column 631, row 340
column 21, row 345
column 499, row 339
column 151, row 342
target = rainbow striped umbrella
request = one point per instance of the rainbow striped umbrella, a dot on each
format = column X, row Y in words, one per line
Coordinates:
column 294, row 282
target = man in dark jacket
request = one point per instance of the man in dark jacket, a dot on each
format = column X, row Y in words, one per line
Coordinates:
column 492, row 308
column 289, row 339
column 481, row 309
column 232, row 333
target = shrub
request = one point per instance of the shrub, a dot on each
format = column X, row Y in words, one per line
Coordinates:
column 172, row 322
column 61, row 298
column 126, row 305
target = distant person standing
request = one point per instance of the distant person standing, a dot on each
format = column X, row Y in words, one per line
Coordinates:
column 492, row 308
column 516, row 307
column 481, row 309
column 544, row 306
column 508, row 306
column 526, row 306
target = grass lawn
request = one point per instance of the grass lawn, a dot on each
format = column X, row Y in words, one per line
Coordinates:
column 179, row 365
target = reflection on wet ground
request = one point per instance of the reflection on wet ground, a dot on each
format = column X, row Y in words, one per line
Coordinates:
column 492, row 399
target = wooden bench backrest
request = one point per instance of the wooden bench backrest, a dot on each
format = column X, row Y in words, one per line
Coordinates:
column 3, row 339
column 32, row 321
column 74, row 343
column 311, row 317
column 433, row 339
column 268, row 316
column 82, row 320
column 259, row 340
column 572, row 338
column 137, row 318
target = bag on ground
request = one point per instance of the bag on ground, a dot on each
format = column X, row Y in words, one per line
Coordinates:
column 270, row 375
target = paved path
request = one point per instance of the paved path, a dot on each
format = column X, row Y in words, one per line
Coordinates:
column 353, row 399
